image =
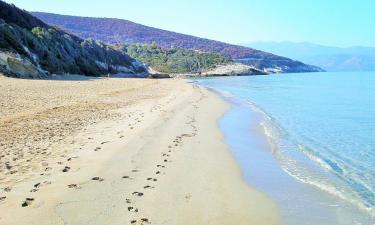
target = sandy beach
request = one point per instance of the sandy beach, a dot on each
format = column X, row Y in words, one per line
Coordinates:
column 119, row 151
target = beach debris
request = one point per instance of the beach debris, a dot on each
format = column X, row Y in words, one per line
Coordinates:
column 128, row 201
column 125, row 177
column 133, row 221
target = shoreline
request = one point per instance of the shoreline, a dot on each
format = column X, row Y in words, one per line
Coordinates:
column 264, row 165
column 157, row 156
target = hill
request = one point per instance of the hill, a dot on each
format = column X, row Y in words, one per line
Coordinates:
column 175, row 60
column 327, row 57
column 31, row 48
column 118, row 31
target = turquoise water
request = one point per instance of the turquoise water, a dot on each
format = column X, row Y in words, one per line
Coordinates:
column 307, row 140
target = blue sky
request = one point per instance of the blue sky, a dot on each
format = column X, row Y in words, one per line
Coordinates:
column 330, row 22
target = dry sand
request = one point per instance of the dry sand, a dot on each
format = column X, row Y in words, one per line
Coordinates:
column 119, row 151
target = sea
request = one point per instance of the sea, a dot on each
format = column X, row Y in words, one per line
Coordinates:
column 307, row 140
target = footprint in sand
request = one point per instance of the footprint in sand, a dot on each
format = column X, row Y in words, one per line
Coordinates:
column 136, row 193
column 153, row 179
column 2, row 198
column 27, row 202
column 97, row 179
column 166, row 155
column 70, row 159
column 66, row 169
column 97, row 149
column 36, row 187
column 132, row 209
column 74, row 186
column 145, row 220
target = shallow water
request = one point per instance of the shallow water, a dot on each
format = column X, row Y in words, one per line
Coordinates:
column 307, row 140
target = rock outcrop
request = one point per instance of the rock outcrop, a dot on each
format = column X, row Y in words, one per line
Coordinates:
column 17, row 66
column 233, row 69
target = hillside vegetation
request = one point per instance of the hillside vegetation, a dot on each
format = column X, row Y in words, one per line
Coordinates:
column 29, row 45
column 175, row 60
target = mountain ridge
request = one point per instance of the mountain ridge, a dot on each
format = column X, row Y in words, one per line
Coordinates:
column 354, row 58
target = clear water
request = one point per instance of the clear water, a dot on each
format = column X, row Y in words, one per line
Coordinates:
column 307, row 140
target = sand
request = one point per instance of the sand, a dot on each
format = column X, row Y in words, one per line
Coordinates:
column 119, row 151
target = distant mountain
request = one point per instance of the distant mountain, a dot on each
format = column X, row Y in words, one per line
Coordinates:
column 326, row 57
column 31, row 48
column 117, row 31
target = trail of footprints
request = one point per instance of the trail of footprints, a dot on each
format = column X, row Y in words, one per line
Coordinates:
column 151, row 182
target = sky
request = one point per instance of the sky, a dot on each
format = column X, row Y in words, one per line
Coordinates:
column 339, row 23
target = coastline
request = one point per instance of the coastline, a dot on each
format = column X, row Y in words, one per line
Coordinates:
column 155, row 155
column 266, row 166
